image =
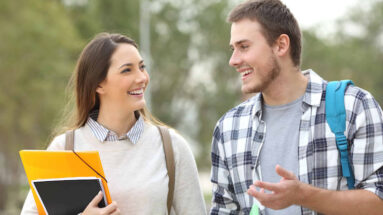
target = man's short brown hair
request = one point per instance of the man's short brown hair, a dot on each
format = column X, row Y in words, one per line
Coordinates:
column 275, row 19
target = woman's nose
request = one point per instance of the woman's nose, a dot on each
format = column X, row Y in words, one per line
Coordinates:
column 142, row 77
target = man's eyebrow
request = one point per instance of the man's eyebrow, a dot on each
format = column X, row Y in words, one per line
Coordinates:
column 238, row 43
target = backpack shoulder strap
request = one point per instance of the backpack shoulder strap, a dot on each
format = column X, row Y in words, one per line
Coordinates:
column 336, row 119
column 169, row 157
column 69, row 140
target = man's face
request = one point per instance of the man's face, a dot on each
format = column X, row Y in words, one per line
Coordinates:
column 252, row 56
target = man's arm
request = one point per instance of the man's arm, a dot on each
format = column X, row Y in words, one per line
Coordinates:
column 291, row 191
column 223, row 199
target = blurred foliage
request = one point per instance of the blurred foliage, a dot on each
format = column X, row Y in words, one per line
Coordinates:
column 37, row 54
column 355, row 54
column 192, row 85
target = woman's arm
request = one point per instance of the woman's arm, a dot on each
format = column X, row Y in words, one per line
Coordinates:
column 29, row 206
column 188, row 198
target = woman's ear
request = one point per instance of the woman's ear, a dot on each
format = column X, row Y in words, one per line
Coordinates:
column 282, row 45
column 100, row 90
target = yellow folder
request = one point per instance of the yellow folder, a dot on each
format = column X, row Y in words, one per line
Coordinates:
column 39, row 164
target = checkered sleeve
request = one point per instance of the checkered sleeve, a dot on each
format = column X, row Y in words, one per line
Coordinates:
column 367, row 148
column 223, row 200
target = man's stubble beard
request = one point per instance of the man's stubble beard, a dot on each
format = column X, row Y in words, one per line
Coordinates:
column 272, row 75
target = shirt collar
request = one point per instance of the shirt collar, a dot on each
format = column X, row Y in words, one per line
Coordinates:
column 104, row 134
column 257, row 109
column 315, row 88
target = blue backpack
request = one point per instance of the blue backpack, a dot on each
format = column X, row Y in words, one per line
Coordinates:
column 336, row 119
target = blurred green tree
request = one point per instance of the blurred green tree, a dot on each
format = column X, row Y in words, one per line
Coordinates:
column 191, row 82
column 354, row 52
column 37, row 55
column 186, row 36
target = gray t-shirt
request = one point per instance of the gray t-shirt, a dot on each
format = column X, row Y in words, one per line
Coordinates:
column 281, row 145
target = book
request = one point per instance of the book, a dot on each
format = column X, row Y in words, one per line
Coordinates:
column 64, row 196
column 41, row 164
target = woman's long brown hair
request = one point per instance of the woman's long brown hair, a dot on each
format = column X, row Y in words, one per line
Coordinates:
column 91, row 69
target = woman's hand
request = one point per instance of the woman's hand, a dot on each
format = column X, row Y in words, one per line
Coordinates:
column 93, row 209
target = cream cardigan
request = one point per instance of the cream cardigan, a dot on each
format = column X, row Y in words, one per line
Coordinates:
column 137, row 175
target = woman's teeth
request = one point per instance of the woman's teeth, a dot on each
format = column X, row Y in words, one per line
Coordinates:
column 136, row 92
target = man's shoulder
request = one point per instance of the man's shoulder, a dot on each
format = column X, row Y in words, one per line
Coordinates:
column 355, row 91
column 358, row 99
column 244, row 109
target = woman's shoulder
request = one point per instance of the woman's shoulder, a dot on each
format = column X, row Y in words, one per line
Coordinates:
column 179, row 143
column 176, row 136
column 58, row 142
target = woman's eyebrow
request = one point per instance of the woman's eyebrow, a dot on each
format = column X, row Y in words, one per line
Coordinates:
column 125, row 64
column 130, row 64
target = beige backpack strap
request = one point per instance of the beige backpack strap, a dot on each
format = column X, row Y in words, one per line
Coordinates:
column 169, row 157
column 69, row 140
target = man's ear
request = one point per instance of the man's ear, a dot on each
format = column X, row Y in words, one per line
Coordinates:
column 282, row 45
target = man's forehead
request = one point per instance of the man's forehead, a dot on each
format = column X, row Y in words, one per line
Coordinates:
column 244, row 30
column 238, row 34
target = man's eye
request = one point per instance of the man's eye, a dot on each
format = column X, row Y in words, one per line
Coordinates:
column 142, row 66
column 244, row 46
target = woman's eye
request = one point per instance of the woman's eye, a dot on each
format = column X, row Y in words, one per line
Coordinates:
column 125, row 70
column 142, row 66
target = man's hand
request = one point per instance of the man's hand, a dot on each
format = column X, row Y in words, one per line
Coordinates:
column 283, row 194
column 291, row 191
column 93, row 209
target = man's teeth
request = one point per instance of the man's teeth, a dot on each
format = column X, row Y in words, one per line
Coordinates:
column 247, row 72
column 136, row 92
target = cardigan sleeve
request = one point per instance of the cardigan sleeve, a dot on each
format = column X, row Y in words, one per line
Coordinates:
column 188, row 198
column 29, row 207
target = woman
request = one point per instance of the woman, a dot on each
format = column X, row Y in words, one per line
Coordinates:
column 110, row 80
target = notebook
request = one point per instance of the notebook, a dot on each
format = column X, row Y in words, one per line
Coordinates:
column 65, row 196
column 41, row 165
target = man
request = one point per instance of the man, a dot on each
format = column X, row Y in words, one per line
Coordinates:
column 276, row 150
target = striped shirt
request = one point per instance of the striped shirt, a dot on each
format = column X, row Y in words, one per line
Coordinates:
column 240, row 133
column 104, row 134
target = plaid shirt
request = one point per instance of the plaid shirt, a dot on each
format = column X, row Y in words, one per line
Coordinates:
column 240, row 133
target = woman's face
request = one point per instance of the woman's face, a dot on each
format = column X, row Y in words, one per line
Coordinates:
column 124, row 86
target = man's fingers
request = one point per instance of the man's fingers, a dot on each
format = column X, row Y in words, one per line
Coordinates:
column 267, row 185
column 261, row 196
column 252, row 190
column 96, row 199
column 285, row 173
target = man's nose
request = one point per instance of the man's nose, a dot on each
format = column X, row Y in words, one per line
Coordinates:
column 235, row 60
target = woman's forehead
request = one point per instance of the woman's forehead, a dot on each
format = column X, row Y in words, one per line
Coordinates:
column 125, row 53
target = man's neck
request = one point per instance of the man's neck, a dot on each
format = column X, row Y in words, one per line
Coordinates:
column 290, row 85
